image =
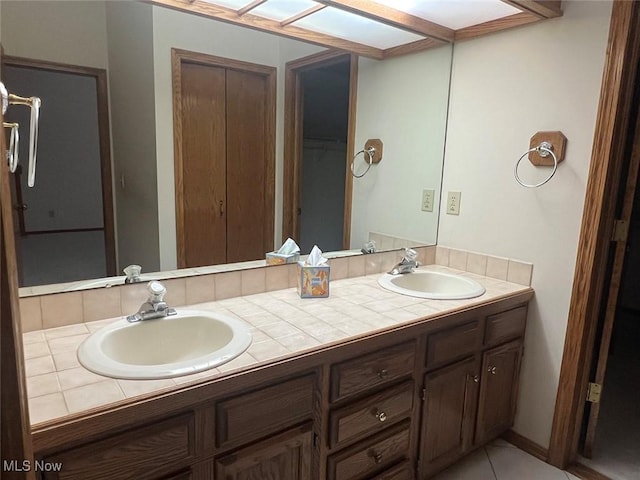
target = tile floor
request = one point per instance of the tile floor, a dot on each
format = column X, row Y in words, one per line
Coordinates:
column 502, row 461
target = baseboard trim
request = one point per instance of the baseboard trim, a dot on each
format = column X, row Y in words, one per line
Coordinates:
column 529, row 446
column 541, row 453
column 586, row 473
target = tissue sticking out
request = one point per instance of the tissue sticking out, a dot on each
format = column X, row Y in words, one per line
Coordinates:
column 313, row 275
column 289, row 252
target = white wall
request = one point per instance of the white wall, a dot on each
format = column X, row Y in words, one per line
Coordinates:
column 75, row 32
column 130, row 47
column 403, row 102
column 172, row 29
column 506, row 87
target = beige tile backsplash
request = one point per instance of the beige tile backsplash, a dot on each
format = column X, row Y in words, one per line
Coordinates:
column 500, row 268
column 68, row 309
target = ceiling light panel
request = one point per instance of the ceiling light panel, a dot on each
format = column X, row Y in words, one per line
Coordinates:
column 338, row 23
column 232, row 4
column 282, row 9
column 454, row 14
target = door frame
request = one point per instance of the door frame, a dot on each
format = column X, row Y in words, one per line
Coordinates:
column 292, row 171
column 606, row 173
column 104, row 132
column 179, row 56
column 15, row 441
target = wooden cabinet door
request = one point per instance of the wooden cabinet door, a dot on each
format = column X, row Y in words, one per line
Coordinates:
column 285, row 456
column 498, row 390
column 449, row 411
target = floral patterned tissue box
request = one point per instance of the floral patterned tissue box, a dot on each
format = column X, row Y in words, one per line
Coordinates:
column 275, row 258
column 313, row 282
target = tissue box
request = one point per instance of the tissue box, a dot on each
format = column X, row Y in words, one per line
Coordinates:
column 274, row 258
column 313, row 282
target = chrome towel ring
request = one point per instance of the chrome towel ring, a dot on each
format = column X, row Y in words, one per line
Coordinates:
column 544, row 150
column 14, row 141
column 34, row 104
column 370, row 152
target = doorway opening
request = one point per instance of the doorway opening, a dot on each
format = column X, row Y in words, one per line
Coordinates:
column 320, row 98
column 611, row 428
column 65, row 226
column 609, row 170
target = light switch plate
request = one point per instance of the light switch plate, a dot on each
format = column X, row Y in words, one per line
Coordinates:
column 453, row 203
column 427, row 200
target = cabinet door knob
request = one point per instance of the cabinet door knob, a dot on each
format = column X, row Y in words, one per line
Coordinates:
column 381, row 416
column 382, row 374
column 476, row 378
column 492, row 370
column 377, row 457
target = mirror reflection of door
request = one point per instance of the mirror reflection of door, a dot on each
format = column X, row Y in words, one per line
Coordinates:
column 325, row 122
column 66, row 222
column 224, row 112
column 320, row 112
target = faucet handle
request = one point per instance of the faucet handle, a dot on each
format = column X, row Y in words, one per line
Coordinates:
column 133, row 273
column 157, row 291
column 410, row 254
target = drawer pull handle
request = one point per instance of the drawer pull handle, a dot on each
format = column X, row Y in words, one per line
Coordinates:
column 382, row 374
column 377, row 457
column 492, row 370
column 381, row 416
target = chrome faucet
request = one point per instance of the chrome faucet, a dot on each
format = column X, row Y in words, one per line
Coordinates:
column 408, row 263
column 133, row 274
column 155, row 306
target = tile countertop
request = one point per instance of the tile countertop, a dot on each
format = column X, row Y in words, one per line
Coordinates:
column 282, row 324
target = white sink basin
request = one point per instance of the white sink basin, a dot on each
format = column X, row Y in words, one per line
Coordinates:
column 432, row 284
column 189, row 342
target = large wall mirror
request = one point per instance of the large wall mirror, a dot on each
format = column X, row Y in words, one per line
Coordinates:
column 106, row 152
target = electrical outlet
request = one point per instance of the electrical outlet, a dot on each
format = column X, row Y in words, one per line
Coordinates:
column 453, row 203
column 427, row 200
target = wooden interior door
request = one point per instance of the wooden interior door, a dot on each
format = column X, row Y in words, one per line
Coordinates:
column 602, row 352
column 15, row 439
column 247, row 142
column 224, row 121
column 201, row 176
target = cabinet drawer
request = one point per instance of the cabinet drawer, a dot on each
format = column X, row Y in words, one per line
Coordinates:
column 371, row 414
column 505, row 326
column 370, row 370
column 452, row 344
column 399, row 472
column 256, row 414
column 143, row 453
column 368, row 458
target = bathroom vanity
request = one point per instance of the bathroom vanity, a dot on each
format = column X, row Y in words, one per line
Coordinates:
column 399, row 402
